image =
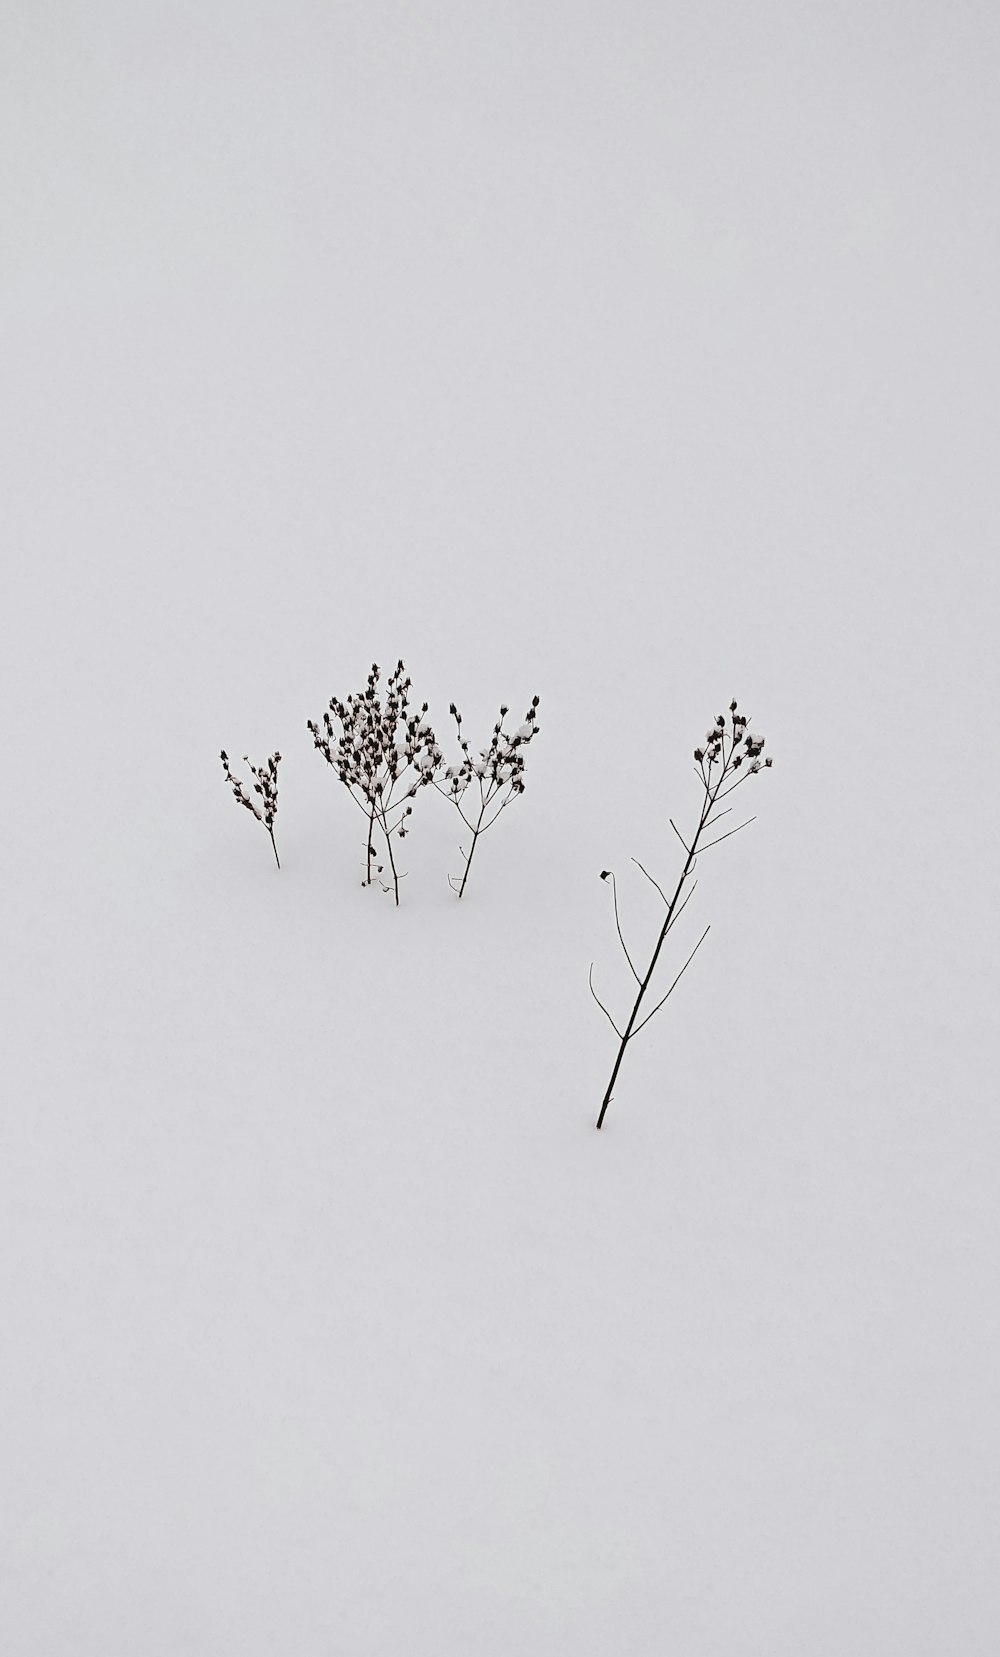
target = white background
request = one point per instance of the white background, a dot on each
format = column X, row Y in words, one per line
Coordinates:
column 635, row 355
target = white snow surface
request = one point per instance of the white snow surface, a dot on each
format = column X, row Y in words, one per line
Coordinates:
column 330, row 1325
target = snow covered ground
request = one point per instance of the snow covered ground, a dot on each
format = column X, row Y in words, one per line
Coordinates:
column 640, row 357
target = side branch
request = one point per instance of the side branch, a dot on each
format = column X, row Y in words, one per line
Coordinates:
column 621, row 940
column 600, row 1003
column 730, row 833
column 684, row 968
column 675, row 918
column 652, row 882
column 679, row 835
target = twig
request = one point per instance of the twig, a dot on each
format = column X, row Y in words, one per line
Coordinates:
column 614, row 894
column 728, row 835
column 600, row 1003
column 652, row 882
column 684, row 968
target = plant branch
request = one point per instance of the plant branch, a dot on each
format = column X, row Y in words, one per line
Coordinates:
column 652, row 882
column 600, row 1003
column 679, row 835
column 673, row 986
column 730, row 833
column 621, row 939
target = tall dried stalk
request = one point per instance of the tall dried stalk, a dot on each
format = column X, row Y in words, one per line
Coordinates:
column 727, row 750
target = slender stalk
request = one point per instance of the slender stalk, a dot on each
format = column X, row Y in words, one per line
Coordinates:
column 475, row 837
column 371, row 848
column 720, row 747
column 276, row 857
column 392, row 861
column 643, row 987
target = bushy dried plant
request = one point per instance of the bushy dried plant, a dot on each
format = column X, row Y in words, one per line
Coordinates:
column 495, row 776
column 384, row 755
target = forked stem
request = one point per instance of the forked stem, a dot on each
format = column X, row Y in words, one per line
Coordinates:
column 475, row 836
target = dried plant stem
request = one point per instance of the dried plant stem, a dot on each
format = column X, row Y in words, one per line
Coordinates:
column 472, row 849
column 722, row 748
column 274, row 847
column 630, row 1029
column 392, row 861
column 370, row 848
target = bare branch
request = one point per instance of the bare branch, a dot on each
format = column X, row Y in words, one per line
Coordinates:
column 652, row 882
column 455, row 800
column 680, row 837
column 736, row 784
column 730, row 834
column 675, row 918
column 600, row 1003
column 684, row 968
column 710, row 820
column 621, row 940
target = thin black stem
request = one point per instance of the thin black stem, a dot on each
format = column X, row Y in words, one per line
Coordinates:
column 371, row 848
column 712, row 820
column 731, row 832
column 392, row 860
column 621, row 940
column 681, row 910
column 629, row 1030
column 600, row 1003
column 649, row 877
column 676, row 981
column 475, row 836
column 276, row 857
column 747, row 773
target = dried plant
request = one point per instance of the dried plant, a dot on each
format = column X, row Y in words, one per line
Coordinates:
column 384, row 755
column 265, row 786
column 496, row 774
column 724, row 751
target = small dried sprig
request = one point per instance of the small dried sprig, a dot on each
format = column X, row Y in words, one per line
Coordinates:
column 384, row 755
column 725, row 750
column 265, row 786
column 495, row 773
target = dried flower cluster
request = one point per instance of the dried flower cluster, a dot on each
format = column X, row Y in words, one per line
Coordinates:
column 383, row 755
column 265, row 786
column 496, row 771
column 715, row 744
column 726, row 748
